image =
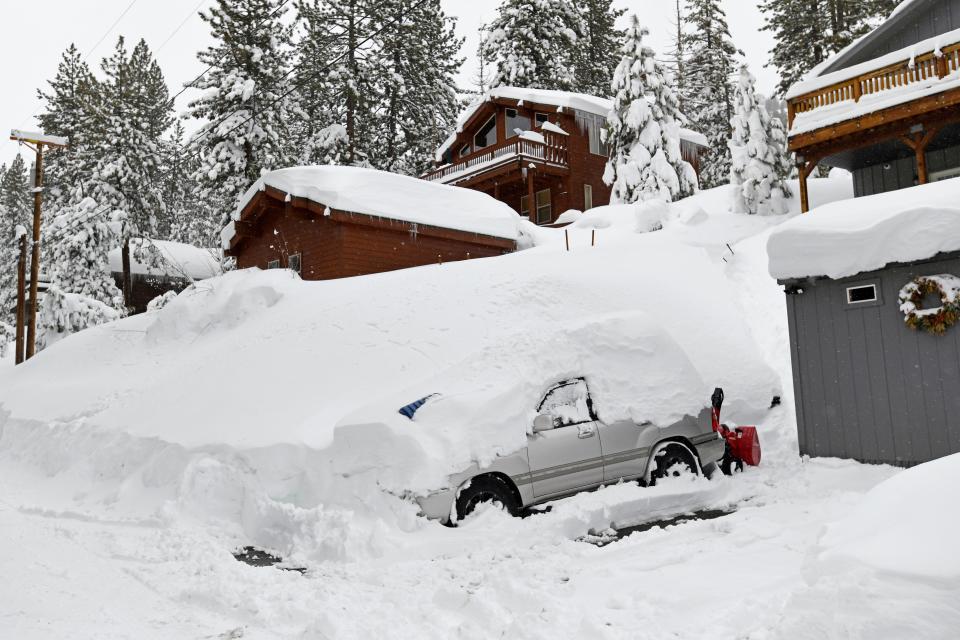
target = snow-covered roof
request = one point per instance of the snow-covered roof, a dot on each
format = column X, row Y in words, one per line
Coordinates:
column 180, row 260
column 36, row 136
column 559, row 99
column 844, row 238
column 389, row 195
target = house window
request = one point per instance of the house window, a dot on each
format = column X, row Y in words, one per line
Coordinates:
column 487, row 135
column 516, row 123
column 293, row 262
column 592, row 126
column 587, row 196
column 541, row 118
column 273, row 264
column 464, row 150
column 863, row 293
column 544, row 208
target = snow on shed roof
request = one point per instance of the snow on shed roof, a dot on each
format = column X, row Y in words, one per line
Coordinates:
column 847, row 237
column 180, row 261
column 560, row 99
column 389, row 195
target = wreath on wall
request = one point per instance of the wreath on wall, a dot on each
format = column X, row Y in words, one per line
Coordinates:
column 934, row 320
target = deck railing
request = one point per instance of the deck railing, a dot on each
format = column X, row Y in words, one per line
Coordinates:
column 553, row 151
column 901, row 74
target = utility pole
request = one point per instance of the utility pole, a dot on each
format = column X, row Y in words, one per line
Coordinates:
column 39, row 140
column 21, row 291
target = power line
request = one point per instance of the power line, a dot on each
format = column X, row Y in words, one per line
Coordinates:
column 107, row 32
column 192, row 13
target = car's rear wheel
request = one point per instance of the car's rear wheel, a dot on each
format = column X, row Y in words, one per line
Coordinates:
column 672, row 459
column 489, row 489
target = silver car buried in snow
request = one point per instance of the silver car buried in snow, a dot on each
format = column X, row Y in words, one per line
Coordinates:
column 571, row 450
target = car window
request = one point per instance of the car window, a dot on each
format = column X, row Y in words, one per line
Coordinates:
column 567, row 402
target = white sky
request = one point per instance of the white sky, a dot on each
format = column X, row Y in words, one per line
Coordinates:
column 30, row 56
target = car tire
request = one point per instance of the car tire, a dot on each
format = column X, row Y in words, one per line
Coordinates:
column 486, row 489
column 669, row 459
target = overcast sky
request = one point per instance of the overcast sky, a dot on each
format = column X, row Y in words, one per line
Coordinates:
column 175, row 33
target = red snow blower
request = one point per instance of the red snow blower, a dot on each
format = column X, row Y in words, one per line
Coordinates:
column 743, row 443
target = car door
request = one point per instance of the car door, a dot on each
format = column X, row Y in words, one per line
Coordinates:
column 568, row 456
column 623, row 455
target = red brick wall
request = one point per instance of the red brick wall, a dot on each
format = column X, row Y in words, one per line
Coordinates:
column 344, row 244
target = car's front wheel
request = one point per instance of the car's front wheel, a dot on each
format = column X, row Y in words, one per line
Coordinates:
column 672, row 459
column 486, row 489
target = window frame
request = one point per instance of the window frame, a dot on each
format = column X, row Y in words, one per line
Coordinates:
column 273, row 264
column 464, row 150
column 592, row 126
column 536, row 118
column 587, row 196
column 299, row 258
column 592, row 415
column 877, row 301
column 477, row 147
column 536, row 194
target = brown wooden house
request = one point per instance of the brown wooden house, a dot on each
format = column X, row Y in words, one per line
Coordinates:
column 887, row 108
column 538, row 151
column 334, row 222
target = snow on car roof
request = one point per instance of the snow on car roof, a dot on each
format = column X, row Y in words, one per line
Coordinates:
column 179, row 260
column 844, row 238
column 389, row 195
column 560, row 99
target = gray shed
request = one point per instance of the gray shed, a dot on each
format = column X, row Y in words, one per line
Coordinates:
column 867, row 385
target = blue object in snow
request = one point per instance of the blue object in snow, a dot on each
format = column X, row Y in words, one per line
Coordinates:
column 411, row 408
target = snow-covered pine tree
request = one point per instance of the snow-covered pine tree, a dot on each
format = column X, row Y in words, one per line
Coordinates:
column 485, row 73
column 807, row 32
column 533, row 43
column 133, row 111
column 597, row 51
column 244, row 104
column 419, row 56
column 678, row 55
column 757, row 154
column 642, row 129
column 15, row 209
column 189, row 222
column 709, row 69
column 67, row 111
column 336, row 78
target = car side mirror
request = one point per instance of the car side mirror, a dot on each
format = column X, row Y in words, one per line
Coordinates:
column 543, row 422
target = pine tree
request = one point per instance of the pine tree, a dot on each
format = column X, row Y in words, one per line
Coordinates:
column 709, row 69
column 533, row 43
column 678, row 55
column 245, row 103
column 15, row 210
column 597, row 52
column 642, row 129
column 337, row 76
column 68, row 112
column 807, row 32
column 484, row 76
column 190, row 222
column 757, row 151
column 419, row 55
column 133, row 111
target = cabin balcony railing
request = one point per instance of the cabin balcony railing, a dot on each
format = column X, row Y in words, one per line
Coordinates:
column 932, row 64
column 550, row 152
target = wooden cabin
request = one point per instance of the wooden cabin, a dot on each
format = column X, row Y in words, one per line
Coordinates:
column 174, row 268
column 334, row 222
column 887, row 108
column 538, row 151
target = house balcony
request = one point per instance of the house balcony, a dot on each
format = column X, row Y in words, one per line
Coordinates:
column 549, row 154
column 907, row 97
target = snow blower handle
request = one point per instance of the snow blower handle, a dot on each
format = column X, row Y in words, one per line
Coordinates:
column 716, row 401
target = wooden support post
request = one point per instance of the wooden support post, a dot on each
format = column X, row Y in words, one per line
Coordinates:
column 593, row 237
column 531, row 198
column 35, row 253
column 566, row 234
column 804, row 171
column 21, row 297
column 127, row 277
column 918, row 143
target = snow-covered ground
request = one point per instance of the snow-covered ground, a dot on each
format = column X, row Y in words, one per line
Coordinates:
column 135, row 457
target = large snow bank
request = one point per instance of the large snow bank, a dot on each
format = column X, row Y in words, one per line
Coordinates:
column 179, row 260
column 844, row 238
column 906, row 525
column 389, row 195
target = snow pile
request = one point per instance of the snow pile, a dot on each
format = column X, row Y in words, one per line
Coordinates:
column 903, row 526
column 179, row 260
column 388, row 195
column 900, row 226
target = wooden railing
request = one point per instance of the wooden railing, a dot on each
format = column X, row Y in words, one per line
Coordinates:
column 553, row 151
column 925, row 66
